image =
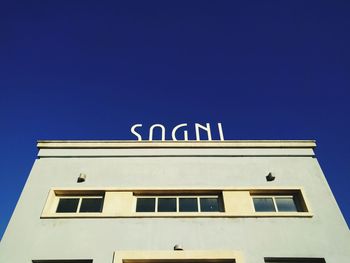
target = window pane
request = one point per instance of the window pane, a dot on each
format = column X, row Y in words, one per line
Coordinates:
column 295, row 260
column 146, row 205
column 286, row 204
column 91, row 205
column 63, row 261
column 264, row 205
column 188, row 205
column 67, row 205
column 209, row 204
column 166, row 204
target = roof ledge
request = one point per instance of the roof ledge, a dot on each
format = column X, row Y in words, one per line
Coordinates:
column 119, row 144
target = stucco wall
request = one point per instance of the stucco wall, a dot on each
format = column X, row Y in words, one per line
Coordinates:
column 324, row 235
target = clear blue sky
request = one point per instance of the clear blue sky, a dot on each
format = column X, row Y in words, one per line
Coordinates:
column 89, row 70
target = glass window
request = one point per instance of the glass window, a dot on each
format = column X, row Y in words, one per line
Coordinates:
column 145, row 205
column 264, row 204
column 188, row 205
column 209, row 204
column 63, row 261
column 181, row 203
column 81, row 204
column 278, row 203
column 286, row 204
column 91, row 205
column 166, row 204
column 295, row 260
column 67, row 205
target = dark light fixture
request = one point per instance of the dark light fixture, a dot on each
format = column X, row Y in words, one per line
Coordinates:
column 81, row 178
column 178, row 247
column 270, row 177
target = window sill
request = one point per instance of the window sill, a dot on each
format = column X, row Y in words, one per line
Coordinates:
column 180, row 215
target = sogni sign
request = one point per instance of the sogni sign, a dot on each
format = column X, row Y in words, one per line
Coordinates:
column 181, row 128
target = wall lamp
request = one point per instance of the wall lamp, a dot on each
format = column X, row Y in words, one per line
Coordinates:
column 81, row 178
column 178, row 247
column 270, row 177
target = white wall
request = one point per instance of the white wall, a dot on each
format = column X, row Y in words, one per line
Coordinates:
column 324, row 235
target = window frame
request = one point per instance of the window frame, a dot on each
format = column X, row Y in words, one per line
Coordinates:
column 63, row 261
column 274, row 197
column 234, row 202
column 192, row 256
column 294, row 260
column 54, row 196
column 296, row 196
column 221, row 204
column 80, row 197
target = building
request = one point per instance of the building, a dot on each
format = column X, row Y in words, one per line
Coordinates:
column 170, row 202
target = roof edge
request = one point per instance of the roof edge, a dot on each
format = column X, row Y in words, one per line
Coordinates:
column 92, row 144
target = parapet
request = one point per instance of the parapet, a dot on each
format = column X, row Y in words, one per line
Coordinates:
column 118, row 148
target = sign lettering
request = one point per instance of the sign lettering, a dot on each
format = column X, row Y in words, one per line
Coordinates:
column 159, row 128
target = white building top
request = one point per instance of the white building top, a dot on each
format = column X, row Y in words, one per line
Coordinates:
column 230, row 148
column 176, row 144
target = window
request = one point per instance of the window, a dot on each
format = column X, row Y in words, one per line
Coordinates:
column 295, row 260
column 277, row 203
column 116, row 203
column 80, row 204
column 183, row 204
column 64, row 261
column 190, row 256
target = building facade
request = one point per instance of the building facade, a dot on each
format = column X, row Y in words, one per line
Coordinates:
column 170, row 202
